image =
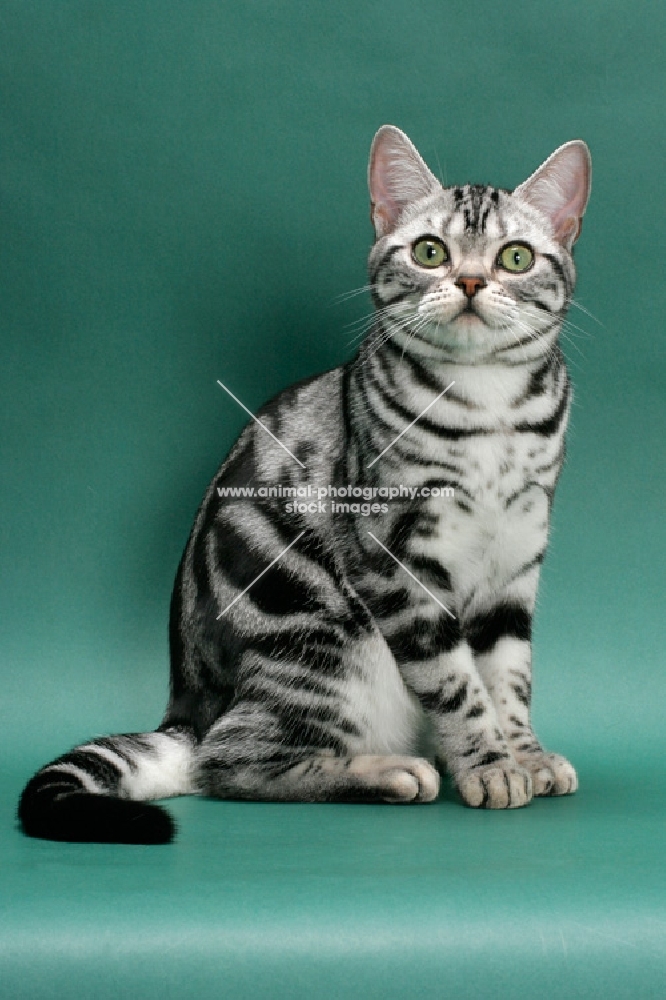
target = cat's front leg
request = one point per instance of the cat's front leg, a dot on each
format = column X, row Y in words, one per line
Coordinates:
column 501, row 641
column 469, row 737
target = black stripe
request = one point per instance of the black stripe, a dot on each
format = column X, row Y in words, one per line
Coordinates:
column 520, row 342
column 424, row 640
column 432, row 569
column 485, row 629
column 379, row 358
column 127, row 747
column 388, row 604
column 448, row 483
column 278, row 592
column 383, row 261
column 195, row 712
column 381, row 303
column 559, row 457
column 401, row 533
column 543, row 306
column 475, row 711
column 345, row 388
column 522, row 694
column 536, row 384
column 421, row 373
column 532, row 338
column 518, row 493
column 551, row 424
column 46, row 781
column 408, row 456
column 528, row 566
column 321, row 643
column 98, row 767
column 490, row 758
column 557, row 267
column 426, row 378
column 301, row 728
column 440, row 430
column 437, row 702
column 237, row 470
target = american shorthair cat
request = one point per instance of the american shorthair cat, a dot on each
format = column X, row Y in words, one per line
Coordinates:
column 324, row 653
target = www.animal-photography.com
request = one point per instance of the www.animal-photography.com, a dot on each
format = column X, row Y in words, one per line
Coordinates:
column 333, row 535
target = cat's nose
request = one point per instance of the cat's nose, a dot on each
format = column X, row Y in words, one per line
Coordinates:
column 470, row 284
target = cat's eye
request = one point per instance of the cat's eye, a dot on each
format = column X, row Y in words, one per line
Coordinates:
column 430, row 252
column 516, row 257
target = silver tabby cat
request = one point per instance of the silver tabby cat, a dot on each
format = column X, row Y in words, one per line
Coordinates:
column 333, row 656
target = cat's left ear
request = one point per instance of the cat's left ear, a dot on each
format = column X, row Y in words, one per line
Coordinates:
column 560, row 188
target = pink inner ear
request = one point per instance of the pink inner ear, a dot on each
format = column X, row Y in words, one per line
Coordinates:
column 567, row 226
column 560, row 188
column 575, row 189
column 385, row 170
column 396, row 177
column 385, row 207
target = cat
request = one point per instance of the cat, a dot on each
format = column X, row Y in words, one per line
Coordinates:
column 324, row 652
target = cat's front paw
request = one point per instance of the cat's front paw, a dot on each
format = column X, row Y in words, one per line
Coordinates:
column 501, row 785
column 551, row 773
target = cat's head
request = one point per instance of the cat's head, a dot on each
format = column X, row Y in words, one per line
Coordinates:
column 474, row 271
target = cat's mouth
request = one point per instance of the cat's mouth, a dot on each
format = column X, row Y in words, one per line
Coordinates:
column 468, row 311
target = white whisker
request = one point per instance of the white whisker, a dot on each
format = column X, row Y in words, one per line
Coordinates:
column 345, row 296
column 572, row 302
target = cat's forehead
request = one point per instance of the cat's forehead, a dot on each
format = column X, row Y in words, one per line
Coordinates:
column 472, row 214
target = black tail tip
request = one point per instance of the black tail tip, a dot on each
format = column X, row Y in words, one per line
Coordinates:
column 80, row 817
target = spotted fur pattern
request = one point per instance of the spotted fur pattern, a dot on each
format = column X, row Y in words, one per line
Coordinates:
column 336, row 676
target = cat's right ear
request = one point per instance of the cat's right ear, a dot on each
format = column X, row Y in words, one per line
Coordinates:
column 396, row 176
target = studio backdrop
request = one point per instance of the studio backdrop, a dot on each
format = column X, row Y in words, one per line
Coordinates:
column 184, row 200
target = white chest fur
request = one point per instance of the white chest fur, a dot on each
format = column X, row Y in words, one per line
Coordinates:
column 497, row 521
column 487, row 438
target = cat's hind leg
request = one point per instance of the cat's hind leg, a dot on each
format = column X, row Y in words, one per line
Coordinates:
column 314, row 776
column 318, row 728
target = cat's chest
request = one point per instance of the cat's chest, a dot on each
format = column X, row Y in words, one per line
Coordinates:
column 494, row 518
column 483, row 472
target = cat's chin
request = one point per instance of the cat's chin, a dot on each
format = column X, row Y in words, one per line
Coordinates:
column 468, row 319
column 466, row 331
column 465, row 324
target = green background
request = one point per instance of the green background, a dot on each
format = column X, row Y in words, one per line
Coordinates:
column 184, row 200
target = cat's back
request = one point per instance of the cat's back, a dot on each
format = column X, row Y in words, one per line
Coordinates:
column 297, row 439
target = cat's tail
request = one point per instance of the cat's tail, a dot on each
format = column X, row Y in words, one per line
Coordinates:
column 100, row 791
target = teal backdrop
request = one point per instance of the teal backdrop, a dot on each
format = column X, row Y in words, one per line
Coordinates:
column 184, row 200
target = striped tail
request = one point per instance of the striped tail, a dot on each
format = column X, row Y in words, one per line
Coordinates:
column 99, row 791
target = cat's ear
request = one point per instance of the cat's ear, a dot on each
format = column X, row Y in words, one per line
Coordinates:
column 560, row 188
column 396, row 176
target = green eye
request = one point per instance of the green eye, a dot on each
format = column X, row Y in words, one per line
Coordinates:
column 516, row 257
column 430, row 253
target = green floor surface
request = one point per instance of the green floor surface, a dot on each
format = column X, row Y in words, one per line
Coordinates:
column 563, row 899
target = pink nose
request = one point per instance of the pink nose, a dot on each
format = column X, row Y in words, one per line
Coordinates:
column 470, row 284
